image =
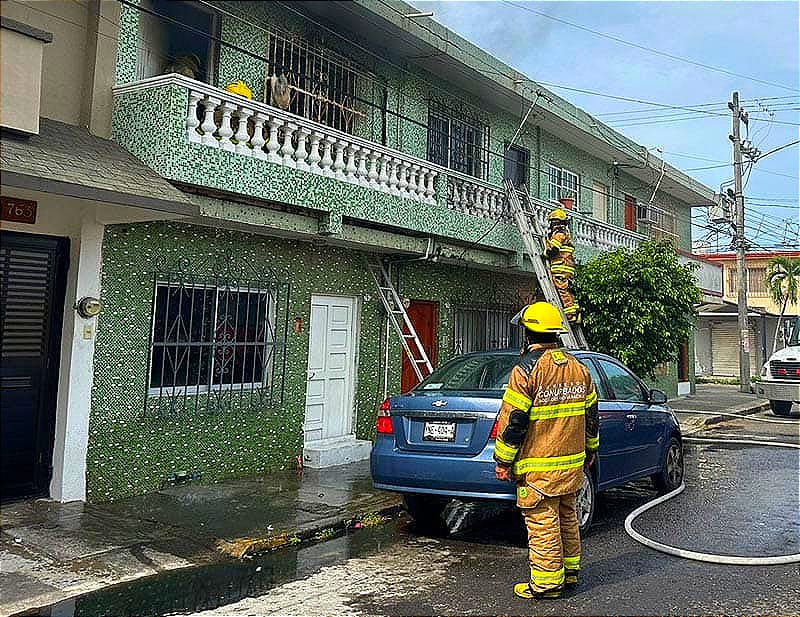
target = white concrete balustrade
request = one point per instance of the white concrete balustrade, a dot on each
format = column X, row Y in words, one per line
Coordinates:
column 254, row 129
column 476, row 197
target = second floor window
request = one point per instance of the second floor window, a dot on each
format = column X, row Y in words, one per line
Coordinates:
column 456, row 142
column 313, row 82
column 562, row 183
column 515, row 165
column 756, row 282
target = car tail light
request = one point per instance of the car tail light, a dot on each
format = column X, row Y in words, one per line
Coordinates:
column 383, row 423
column 493, row 434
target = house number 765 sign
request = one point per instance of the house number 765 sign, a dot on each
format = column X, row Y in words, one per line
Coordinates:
column 18, row 210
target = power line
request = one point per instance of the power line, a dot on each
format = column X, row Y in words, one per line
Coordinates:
column 645, row 48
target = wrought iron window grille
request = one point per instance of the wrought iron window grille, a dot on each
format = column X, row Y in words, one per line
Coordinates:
column 457, row 140
column 484, row 328
column 324, row 86
column 217, row 340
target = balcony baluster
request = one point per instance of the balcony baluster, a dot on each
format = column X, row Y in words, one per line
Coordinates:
column 225, row 131
column 192, row 121
column 314, row 157
column 273, row 144
column 242, row 137
column 209, row 126
column 257, row 140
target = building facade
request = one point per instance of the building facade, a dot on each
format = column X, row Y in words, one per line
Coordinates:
column 717, row 340
column 247, row 333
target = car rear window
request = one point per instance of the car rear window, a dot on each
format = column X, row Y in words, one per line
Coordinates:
column 488, row 373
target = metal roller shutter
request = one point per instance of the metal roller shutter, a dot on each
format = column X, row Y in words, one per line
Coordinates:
column 725, row 350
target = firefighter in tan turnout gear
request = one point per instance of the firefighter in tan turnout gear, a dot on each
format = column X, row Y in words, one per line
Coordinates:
column 547, row 432
column 560, row 252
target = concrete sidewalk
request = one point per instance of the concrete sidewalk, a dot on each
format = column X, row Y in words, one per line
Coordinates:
column 51, row 551
column 714, row 398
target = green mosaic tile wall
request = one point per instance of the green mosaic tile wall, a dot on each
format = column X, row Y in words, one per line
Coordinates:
column 159, row 140
column 130, row 454
column 127, row 43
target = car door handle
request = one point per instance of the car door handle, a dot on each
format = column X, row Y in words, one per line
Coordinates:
column 631, row 416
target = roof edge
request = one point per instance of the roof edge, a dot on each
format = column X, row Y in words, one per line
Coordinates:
column 22, row 28
column 515, row 82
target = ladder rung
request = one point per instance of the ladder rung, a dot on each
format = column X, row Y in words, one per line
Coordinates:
column 385, row 288
column 421, row 361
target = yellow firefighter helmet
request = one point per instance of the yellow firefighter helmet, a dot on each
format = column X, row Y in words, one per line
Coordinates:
column 240, row 88
column 540, row 317
column 558, row 215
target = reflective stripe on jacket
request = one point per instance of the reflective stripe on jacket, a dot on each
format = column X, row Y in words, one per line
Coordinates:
column 553, row 393
column 560, row 250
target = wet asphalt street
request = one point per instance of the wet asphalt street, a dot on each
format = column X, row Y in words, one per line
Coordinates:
column 739, row 500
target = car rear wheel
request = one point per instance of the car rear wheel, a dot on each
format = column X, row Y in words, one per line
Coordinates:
column 426, row 510
column 781, row 408
column 671, row 475
column 585, row 502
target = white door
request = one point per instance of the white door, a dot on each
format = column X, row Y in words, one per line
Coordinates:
column 331, row 367
column 599, row 201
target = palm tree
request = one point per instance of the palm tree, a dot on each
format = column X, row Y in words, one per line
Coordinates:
column 783, row 281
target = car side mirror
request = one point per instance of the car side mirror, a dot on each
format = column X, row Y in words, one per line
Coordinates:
column 656, row 397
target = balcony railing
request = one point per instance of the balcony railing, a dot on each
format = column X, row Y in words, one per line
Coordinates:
column 217, row 119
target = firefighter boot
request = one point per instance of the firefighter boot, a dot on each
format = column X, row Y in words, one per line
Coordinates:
column 525, row 591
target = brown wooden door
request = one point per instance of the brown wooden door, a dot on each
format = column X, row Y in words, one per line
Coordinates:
column 630, row 212
column 424, row 315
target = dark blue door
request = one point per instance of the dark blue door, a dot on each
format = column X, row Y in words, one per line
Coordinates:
column 32, row 280
column 630, row 416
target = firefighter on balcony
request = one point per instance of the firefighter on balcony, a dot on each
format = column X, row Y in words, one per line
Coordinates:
column 547, row 433
column 560, row 252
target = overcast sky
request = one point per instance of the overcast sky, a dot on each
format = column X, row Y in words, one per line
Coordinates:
column 752, row 39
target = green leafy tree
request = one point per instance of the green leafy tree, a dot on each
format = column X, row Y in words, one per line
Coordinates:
column 783, row 281
column 638, row 305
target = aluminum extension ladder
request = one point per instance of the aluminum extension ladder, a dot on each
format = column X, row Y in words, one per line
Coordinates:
column 393, row 304
column 533, row 239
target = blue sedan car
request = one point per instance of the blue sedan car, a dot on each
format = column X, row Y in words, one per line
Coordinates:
column 435, row 443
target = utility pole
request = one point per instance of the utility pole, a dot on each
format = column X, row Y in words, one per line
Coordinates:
column 740, row 243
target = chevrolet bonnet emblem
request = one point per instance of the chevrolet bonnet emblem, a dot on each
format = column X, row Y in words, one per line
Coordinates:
column 439, row 403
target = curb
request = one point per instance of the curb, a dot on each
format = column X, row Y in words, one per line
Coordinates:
column 747, row 409
column 312, row 532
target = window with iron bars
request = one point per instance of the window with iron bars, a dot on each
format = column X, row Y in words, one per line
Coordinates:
column 323, row 85
column 457, row 142
column 483, row 328
column 562, row 183
column 215, row 347
column 756, row 281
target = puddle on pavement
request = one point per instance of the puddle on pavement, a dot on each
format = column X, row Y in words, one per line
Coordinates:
column 210, row 586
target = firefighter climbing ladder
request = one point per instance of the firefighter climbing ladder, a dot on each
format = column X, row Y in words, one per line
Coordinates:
column 398, row 317
column 533, row 238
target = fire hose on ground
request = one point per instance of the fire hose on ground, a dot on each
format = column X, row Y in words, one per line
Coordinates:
column 712, row 557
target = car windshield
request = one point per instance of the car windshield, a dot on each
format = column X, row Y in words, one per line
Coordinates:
column 487, row 373
column 793, row 339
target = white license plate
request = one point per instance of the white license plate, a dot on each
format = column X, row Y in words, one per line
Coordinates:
column 439, row 431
